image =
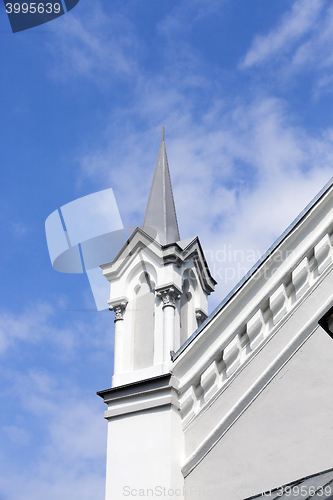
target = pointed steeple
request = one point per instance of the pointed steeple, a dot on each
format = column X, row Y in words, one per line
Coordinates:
column 161, row 212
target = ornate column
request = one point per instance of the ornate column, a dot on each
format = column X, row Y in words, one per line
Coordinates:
column 168, row 294
column 118, row 306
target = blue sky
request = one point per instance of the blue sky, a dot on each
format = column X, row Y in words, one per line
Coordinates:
column 244, row 89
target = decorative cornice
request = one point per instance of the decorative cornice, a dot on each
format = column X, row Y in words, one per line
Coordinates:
column 169, row 294
column 139, row 396
column 118, row 306
column 176, row 254
column 171, row 254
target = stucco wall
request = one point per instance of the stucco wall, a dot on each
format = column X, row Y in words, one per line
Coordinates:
column 285, row 434
column 144, row 454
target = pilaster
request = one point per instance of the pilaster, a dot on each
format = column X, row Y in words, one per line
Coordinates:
column 119, row 307
column 146, row 439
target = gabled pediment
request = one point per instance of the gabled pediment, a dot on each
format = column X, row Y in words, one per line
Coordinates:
column 138, row 241
column 191, row 250
column 177, row 253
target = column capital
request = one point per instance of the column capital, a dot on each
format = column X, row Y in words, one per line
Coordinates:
column 168, row 294
column 118, row 306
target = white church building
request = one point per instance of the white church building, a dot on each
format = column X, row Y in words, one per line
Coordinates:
column 233, row 405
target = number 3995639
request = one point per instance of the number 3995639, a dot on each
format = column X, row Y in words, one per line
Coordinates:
column 33, row 8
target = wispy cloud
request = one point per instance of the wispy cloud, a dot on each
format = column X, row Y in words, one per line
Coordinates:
column 316, row 52
column 230, row 156
column 301, row 44
column 226, row 170
column 46, row 324
column 19, row 229
column 29, row 326
column 67, row 457
column 55, row 437
column 186, row 14
column 96, row 46
column 300, row 20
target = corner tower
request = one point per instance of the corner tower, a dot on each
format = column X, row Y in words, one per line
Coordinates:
column 159, row 290
column 159, row 287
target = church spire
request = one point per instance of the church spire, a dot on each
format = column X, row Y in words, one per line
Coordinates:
column 161, row 212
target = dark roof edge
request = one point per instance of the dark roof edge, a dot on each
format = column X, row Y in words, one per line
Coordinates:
column 138, row 383
column 248, row 275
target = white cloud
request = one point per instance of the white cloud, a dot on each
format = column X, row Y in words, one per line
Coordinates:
column 95, row 46
column 19, row 229
column 228, row 158
column 316, row 52
column 52, row 430
column 301, row 45
column 226, row 170
column 183, row 17
column 44, row 324
column 58, row 448
column 29, row 326
column 295, row 24
column 17, row 435
column 69, row 460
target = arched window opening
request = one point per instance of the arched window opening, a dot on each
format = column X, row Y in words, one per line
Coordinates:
column 144, row 304
column 185, row 312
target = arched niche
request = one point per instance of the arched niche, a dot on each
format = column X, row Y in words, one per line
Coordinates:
column 144, row 318
column 187, row 313
column 136, row 273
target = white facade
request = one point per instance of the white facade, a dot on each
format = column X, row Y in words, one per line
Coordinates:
column 244, row 402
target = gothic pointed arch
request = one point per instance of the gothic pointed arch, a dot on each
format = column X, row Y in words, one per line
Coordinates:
column 143, row 319
column 187, row 305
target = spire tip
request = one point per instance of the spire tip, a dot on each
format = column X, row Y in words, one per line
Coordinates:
column 161, row 212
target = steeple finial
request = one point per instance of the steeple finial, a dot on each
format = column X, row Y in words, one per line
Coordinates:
column 161, row 212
